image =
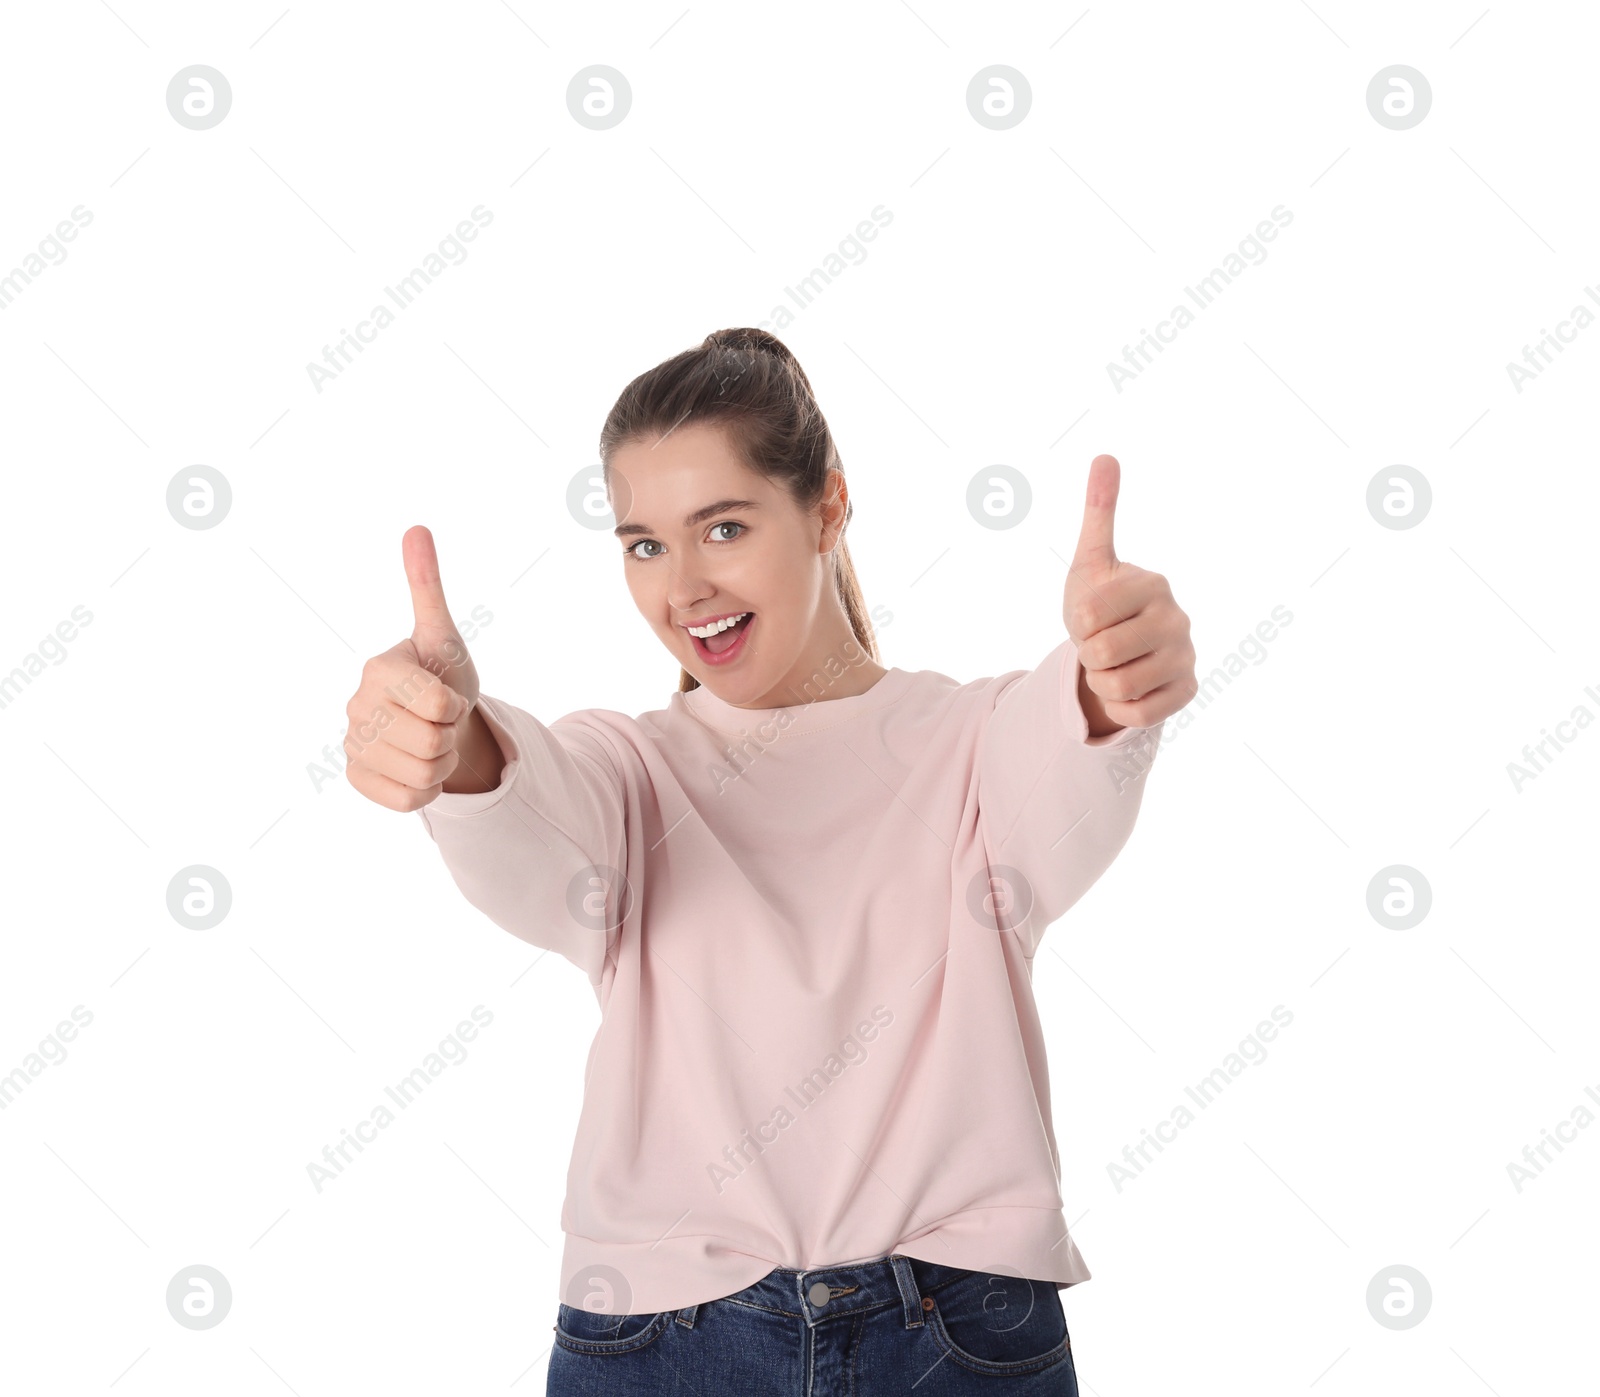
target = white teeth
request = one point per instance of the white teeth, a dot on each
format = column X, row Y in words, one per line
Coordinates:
column 716, row 627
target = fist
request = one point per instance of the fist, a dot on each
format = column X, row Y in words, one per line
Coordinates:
column 1132, row 637
column 409, row 717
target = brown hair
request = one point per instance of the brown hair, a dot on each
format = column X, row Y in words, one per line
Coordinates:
column 748, row 382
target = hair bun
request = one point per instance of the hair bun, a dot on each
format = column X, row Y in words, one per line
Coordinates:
column 751, row 340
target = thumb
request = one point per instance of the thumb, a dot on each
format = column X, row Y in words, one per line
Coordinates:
column 1096, row 553
column 430, row 612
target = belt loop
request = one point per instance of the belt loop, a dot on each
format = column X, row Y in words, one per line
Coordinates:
column 910, row 1295
column 685, row 1316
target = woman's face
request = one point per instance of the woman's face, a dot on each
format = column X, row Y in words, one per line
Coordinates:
column 705, row 537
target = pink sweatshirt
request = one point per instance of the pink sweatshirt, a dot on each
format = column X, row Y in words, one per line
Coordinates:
column 818, row 1041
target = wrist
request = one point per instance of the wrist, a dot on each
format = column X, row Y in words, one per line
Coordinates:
column 1094, row 712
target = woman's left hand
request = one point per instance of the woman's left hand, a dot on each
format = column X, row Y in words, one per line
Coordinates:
column 1134, row 652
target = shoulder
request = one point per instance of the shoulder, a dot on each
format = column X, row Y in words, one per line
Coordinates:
column 656, row 728
column 932, row 689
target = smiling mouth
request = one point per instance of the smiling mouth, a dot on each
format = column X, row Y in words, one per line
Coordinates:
column 726, row 644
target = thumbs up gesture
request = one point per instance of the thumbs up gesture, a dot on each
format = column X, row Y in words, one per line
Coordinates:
column 415, row 730
column 1135, row 658
column 438, row 644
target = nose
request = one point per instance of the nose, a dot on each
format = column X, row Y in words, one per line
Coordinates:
column 685, row 596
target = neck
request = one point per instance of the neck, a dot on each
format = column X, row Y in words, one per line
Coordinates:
column 835, row 665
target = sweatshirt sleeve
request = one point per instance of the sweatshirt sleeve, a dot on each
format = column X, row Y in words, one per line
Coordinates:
column 1055, row 806
column 544, row 854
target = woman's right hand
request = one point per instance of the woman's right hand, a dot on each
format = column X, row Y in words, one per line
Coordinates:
column 414, row 720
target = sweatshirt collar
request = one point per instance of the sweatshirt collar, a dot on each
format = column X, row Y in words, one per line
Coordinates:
column 809, row 714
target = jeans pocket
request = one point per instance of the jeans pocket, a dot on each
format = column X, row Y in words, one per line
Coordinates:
column 587, row 1331
column 1000, row 1324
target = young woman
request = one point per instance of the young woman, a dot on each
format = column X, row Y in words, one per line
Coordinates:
column 815, row 1153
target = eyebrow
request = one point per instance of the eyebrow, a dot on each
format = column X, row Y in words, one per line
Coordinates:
column 698, row 517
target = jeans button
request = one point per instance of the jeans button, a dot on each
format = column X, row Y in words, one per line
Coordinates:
column 818, row 1294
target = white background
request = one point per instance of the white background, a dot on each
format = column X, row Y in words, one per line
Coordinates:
column 185, row 723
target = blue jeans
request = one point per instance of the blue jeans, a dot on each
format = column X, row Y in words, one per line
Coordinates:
column 892, row 1326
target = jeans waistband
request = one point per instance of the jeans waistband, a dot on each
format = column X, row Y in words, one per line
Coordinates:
column 832, row 1292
